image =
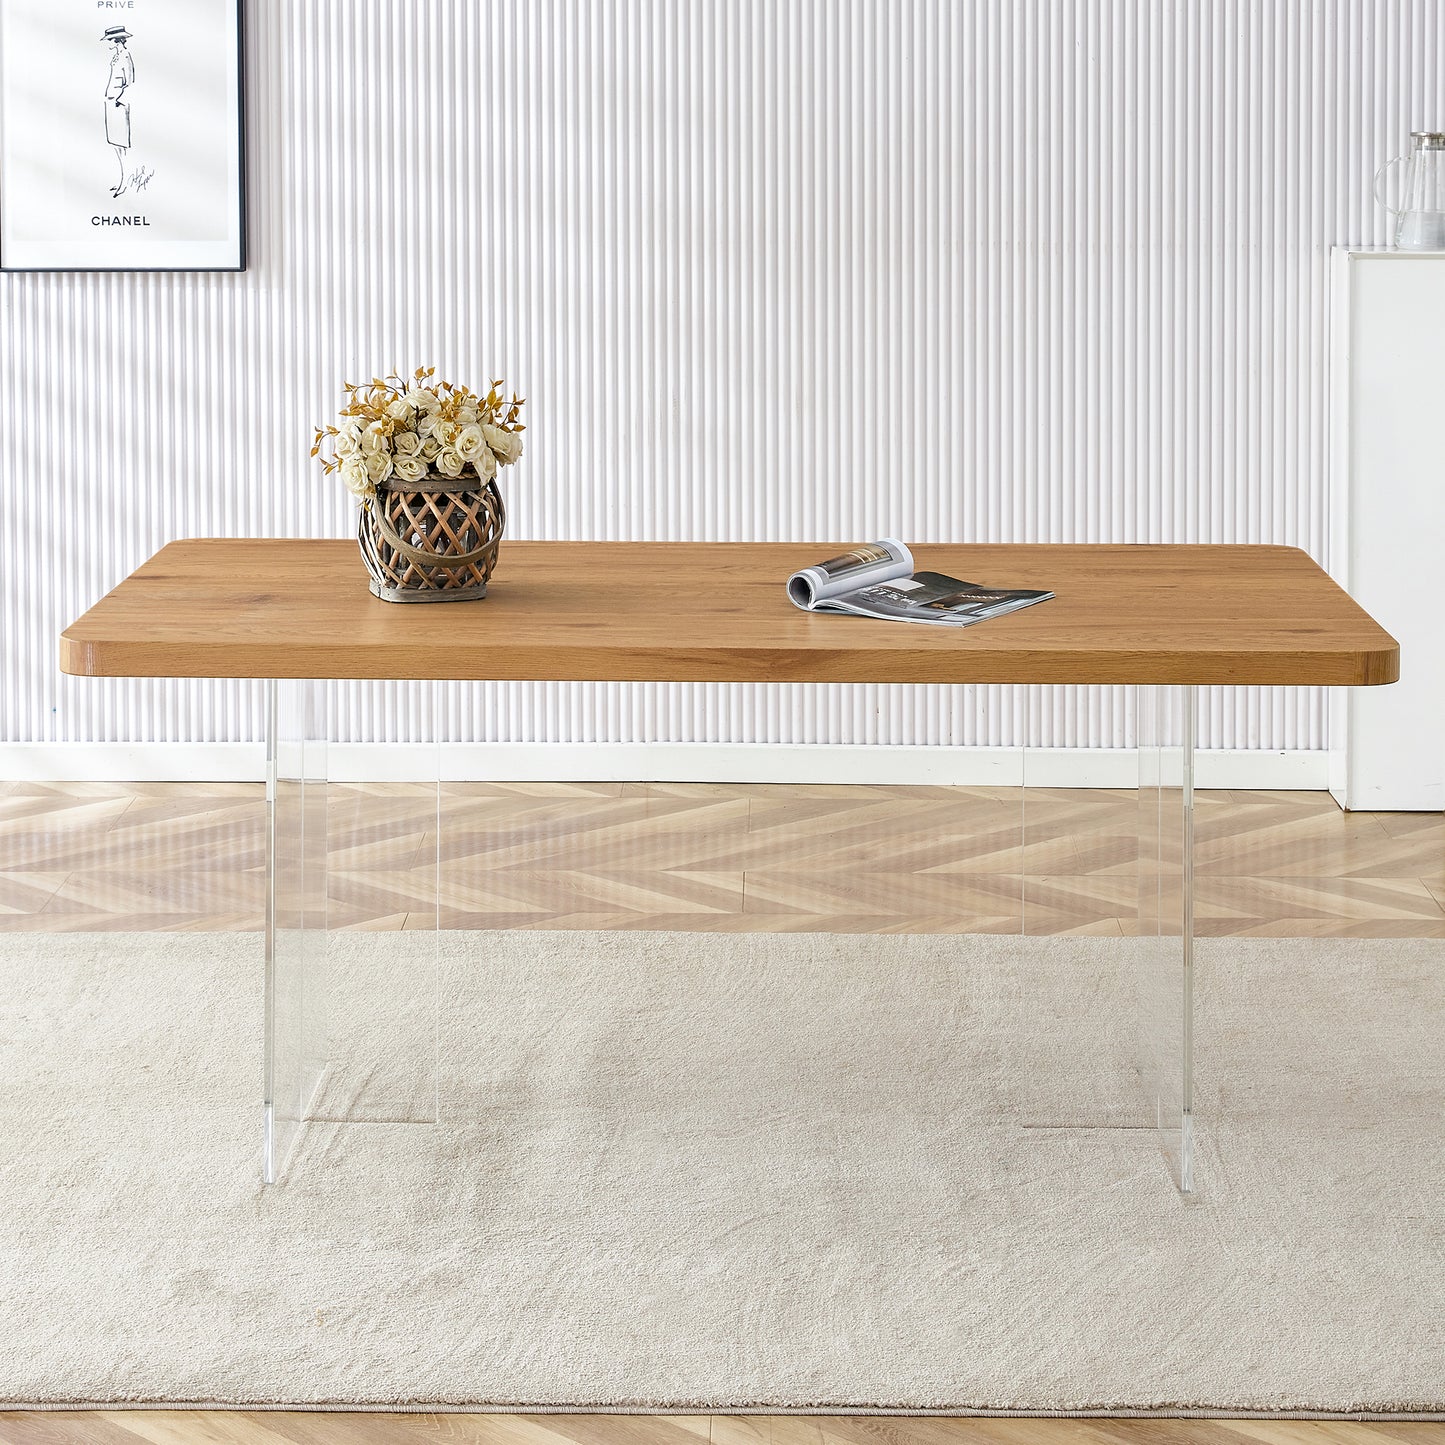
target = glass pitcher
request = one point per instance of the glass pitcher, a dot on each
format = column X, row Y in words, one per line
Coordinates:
column 1420, row 216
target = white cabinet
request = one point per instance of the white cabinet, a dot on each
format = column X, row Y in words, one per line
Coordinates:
column 1387, row 544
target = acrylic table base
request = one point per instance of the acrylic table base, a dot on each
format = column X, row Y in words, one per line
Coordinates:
column 1140, row 807
column 1165, row 722
column 344, row 1044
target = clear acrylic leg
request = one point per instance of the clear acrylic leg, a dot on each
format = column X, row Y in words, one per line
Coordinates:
column 297, row 1037
column 1165, row 731
column 352, row 948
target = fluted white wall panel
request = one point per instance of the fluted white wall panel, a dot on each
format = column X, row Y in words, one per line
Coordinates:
column 780, row 269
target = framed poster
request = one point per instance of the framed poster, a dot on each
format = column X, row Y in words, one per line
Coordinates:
column 122, row 136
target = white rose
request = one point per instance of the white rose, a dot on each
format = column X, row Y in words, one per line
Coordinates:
column 430, row 447
column 486, row 464
column 448, row 463
column 376, row 438
column 428, row 424
column 357, row 478
column 445, row 432
column 506, row 445
column 399, row 410
column 467, row 414
column 470, row 443
column 419, row 400
column 379, row 466
column 406, row 444
column 348, row 435
column 410, row 468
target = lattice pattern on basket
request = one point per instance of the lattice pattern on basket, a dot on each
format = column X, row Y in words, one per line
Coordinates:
column 432, row 543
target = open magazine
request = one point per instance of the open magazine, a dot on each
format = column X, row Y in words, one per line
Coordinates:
column 878, row 580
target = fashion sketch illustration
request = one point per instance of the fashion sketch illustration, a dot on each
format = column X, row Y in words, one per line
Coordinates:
column 117, row 106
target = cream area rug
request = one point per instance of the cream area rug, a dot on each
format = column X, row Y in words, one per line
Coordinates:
column 680, row 1171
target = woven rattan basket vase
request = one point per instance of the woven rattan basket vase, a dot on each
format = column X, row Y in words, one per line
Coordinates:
column 431, row 541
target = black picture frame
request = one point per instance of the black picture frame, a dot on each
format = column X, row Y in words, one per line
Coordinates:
column 236, row 32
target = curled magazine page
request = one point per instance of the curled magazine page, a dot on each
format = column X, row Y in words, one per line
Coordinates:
column 864, row 566
column 877, row 580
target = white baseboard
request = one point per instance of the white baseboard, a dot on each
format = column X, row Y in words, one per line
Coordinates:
column 660, row 762
column 132, row 762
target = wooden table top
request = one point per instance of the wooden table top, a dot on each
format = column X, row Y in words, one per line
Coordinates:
column 717, row 612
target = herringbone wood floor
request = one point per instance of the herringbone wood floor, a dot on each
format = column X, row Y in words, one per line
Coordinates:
column 88, row 856
column 240, row 1427
column 714, row 857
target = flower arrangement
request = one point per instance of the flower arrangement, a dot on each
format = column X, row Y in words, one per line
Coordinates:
column 412, row 428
